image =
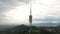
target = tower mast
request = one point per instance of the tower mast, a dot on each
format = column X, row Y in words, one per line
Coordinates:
column 30, row 18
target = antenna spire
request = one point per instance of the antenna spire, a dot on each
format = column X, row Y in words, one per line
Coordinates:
column 30, row 10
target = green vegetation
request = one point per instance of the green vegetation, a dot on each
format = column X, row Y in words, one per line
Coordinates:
column 23, row 29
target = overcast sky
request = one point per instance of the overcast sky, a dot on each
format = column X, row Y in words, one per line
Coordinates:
column 17, row 11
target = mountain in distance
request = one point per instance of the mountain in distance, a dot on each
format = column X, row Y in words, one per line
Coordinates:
column 20, row 28
column 24, row 27
column 2, row 27
column 47, row 24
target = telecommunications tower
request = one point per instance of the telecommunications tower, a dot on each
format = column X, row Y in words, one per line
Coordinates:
column 30, row 19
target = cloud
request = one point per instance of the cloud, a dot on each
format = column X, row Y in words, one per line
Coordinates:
column 47, row 18
column 7, row 5
column 49, row 8
column 25, row 1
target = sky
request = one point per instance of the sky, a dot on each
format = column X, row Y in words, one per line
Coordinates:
column 17, row 11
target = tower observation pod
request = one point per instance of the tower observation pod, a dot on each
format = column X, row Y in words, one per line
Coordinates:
column 30, row 18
